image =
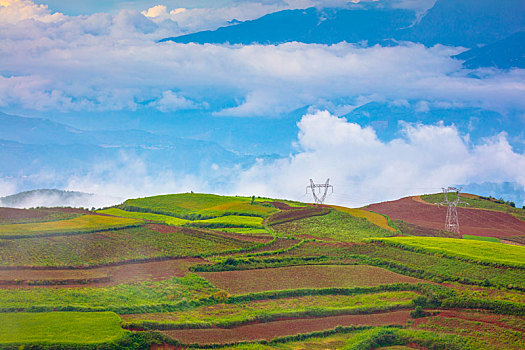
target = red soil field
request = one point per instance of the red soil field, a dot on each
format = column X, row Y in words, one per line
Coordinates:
column 477, row 222
column 481, row 319
column 111, row 275
column 9, row 214
column 270, row 330
column 203, row 233
column 296, row 277
column 292, row 215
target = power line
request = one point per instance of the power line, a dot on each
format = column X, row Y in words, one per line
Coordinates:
column 319, row 199
column 452, row 221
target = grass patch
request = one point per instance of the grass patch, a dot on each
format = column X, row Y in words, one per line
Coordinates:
column 60, row 328
column 124, row 298
column 335, row 225
column 169, row 220
column 81, row 224
column 230, row 221
column 477, row 251
column 481, row 238
column 244, row 230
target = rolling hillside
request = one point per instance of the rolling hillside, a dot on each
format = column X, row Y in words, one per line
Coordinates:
column 199, row 270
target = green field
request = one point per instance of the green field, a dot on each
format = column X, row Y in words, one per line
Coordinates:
column 334, row 225
column 231, row 221
column 111, row 246
column 135, row 297
column 481, row 238
column 169, row 220
column 198, row 206
column 482, row 251
column 436, row 267
column 60, row 328
column 237, row 313
column 81, row 224
column 290, row 279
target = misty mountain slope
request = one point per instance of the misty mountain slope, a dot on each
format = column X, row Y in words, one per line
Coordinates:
column 45, row 197
column 450, row 22
column 468, row 22
column 504, row 54
column 325, row 26
column 41, row 153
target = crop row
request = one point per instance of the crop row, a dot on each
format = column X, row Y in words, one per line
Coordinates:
column 112, row 246
column 334, row 225
column 267, row 310
column 297, row 214
column 81, row 224
column 480, row 252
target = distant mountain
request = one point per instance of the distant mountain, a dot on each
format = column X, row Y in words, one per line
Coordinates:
column 375, row 24
column 465, row 23
column 46, row 198
column 477, row 122
column 504, row 54
column 42, row 153
column 468, row 23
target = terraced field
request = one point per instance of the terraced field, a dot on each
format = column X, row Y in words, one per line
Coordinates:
column 113, row 246
column 81, row 224
column 68, row 328
column 473, row 250
column 259, row 273
column 297, row 277
column 479, row 222
column 198, row 206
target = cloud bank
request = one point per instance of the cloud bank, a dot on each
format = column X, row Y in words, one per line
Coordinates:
column 106, row 62
column 363, row 169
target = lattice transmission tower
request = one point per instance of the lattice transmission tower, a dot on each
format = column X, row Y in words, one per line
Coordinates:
column 452, row 221
column 318, row 197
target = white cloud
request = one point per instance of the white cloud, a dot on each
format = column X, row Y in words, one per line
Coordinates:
column 13, row 11
column 364, row 169
column 103, row 62
column 173, row 101
column 130, row 177
column 7, row 187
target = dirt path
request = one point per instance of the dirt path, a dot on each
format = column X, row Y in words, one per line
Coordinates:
column 270, row 330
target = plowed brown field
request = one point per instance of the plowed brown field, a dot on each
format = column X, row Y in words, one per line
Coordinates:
column 296, row 277
column 270, row 330
column 101, row 276
column 472, row 221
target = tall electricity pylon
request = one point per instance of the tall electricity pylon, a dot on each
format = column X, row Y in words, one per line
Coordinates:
column 452, row 222
column 318, row 197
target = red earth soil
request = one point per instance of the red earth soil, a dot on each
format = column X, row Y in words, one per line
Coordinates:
column 481, row 319
column 151, row 271
column 13, row 213
column 477, row 222
column 292, row 215
column 309, row 276
column 270, row 330
column 202, row 233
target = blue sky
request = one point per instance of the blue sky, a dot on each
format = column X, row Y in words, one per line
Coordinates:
column 98, row 66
